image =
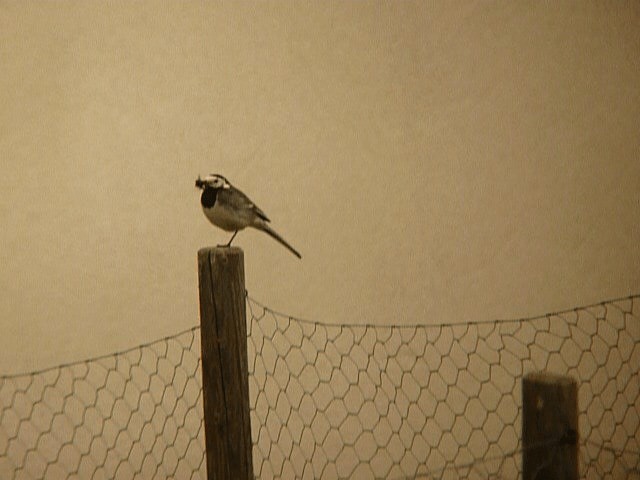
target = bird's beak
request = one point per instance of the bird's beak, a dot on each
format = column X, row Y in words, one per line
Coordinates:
column 200, row 183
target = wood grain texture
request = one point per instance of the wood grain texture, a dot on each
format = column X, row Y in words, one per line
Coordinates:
column 224, row 363
column 549, row 427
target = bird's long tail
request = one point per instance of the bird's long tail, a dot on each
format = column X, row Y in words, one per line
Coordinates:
column 267, row 229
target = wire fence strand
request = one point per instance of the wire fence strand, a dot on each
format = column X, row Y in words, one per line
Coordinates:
column 336, row 401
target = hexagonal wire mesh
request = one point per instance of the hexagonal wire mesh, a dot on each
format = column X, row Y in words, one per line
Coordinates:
column 343, row 401
column 133, row 414
column 444, row 401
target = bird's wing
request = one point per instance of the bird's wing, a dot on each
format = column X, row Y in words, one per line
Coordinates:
column 239, row 201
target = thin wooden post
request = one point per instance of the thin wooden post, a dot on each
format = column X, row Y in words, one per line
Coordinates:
column 225, row 382
column 549, row 427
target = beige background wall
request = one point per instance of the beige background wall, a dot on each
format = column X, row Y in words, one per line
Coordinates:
column 433, row 162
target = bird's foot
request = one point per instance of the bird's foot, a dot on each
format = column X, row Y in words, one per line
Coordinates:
column 230, row 240
column 227, row 245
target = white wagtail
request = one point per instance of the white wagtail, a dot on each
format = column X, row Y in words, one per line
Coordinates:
column 229, row 209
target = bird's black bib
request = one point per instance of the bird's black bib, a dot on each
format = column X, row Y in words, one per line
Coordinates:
column 208, row 198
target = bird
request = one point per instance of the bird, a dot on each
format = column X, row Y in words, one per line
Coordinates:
column 231, row 210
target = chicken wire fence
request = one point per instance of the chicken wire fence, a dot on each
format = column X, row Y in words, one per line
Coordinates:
column 337, row 401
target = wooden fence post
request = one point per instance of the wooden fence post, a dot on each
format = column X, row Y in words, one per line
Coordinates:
column 225, row 382
column 549, row 427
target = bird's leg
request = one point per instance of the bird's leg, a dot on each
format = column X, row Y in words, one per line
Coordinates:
column 232, row 237
column 227, row 245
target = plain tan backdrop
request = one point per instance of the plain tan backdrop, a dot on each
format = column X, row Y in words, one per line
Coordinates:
column 432, row 161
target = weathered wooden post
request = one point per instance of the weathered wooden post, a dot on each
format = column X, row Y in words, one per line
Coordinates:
column 549, row 427
column 225, row 382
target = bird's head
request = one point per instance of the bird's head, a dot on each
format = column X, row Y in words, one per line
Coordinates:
column 214, row 181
